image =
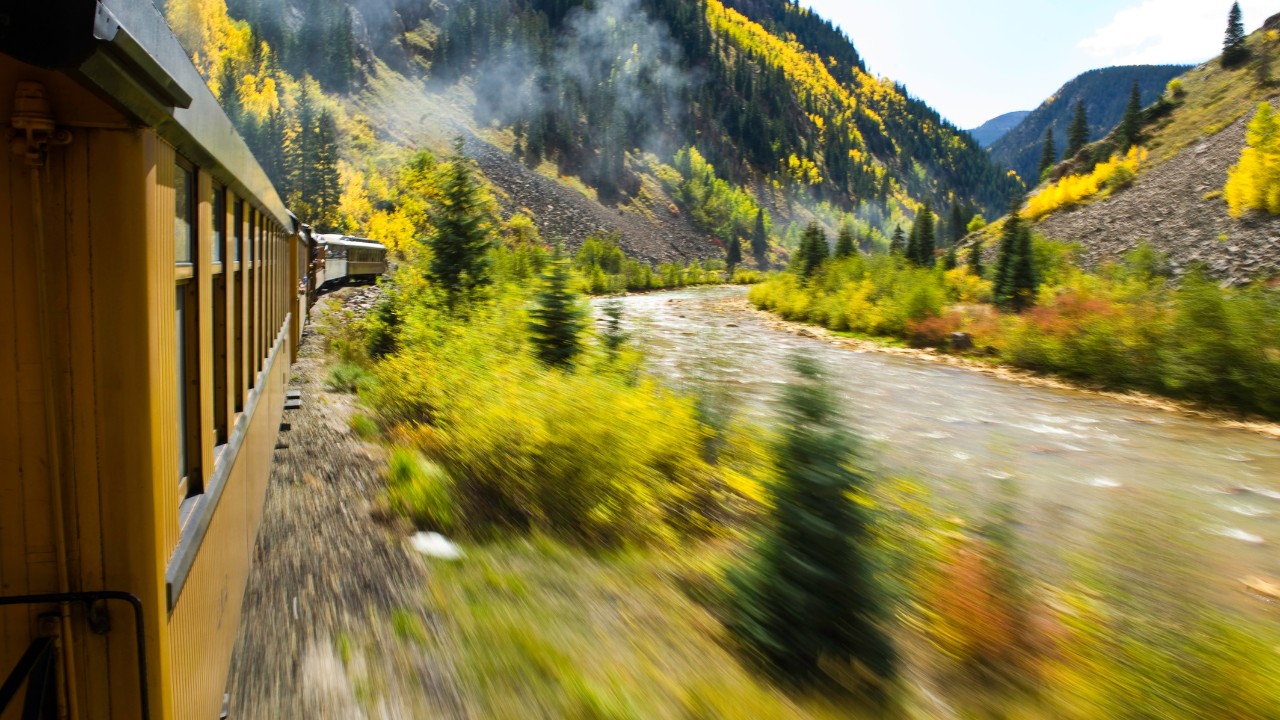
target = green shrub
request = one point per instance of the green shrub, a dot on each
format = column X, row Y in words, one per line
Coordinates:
column 347, row 378
column 420, row 490
column 364, row 427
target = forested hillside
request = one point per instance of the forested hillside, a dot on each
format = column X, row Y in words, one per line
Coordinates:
column 725, row 115
column 761, row 89
column 1104, row 93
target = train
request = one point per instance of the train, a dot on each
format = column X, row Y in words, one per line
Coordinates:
column 153, row 291
column 342, row 259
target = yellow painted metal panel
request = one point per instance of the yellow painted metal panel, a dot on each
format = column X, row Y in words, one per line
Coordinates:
column 124, row 170
column 14, row 625
column 93, row 670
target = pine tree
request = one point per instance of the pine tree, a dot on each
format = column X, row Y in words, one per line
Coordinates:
column 845, row 246
column 1078, row 134
column 950, row 260
column 957, row 224
column 1048, row 155
column 556, row 319
column 733, row 256
column 813, row 250
column 459, row 261
column 613, row 337
column 810, row 595
column 923, row 238
column 1015, row 283
column 897, row 246
column 760, row 242
column 1234, row 51
column 1129, row 132
column 324, row 170
column 975, row 258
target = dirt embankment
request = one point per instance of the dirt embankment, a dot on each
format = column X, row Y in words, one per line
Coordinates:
column 317, row 633
column 1167, row 207
column 564, row 213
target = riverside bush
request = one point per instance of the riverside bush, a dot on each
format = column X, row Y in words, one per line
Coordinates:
column 1129, row 326
column 598, row 454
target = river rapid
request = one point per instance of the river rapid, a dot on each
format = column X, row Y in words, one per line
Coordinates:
column 1093, row 477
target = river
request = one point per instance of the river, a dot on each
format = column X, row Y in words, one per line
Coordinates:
column 1206, row 497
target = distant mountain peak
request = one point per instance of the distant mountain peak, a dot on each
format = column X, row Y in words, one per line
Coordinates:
column 995, row 128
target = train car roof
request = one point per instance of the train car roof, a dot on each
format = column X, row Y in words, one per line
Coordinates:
column 124, row 51
column 348, row 241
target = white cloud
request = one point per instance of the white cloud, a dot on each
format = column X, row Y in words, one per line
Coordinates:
column 1169, row 31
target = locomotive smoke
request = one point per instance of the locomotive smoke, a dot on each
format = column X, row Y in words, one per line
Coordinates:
column 614, row 53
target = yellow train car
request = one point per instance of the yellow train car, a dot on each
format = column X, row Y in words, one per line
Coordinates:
column 152, row 286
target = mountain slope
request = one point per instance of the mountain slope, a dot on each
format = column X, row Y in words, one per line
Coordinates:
column 762, row 88
column 997, row 127
column 603, row 98
column 1175, row 203
column 1104, row 92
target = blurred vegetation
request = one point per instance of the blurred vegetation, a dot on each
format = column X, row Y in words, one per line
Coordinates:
column 808, row 603
column 1129, row 326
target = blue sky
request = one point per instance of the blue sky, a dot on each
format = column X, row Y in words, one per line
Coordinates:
column 975, row 60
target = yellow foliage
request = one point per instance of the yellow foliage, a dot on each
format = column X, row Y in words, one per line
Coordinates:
column 353, row 204
column 207, row 32
column 963, row 286
column 259, row 96
column 392, row 229
column 805, row 69
column 803, row 170
column 1254, row 182
column 1075, row 189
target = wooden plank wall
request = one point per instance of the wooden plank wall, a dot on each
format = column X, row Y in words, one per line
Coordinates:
column 86, row 233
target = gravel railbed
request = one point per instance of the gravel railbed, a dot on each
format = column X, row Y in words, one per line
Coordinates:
column 316, row 637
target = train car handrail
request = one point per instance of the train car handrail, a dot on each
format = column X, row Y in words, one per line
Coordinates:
column 87, row 599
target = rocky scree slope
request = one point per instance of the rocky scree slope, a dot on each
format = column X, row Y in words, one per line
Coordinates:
column 1167, row 207
column 565, row 214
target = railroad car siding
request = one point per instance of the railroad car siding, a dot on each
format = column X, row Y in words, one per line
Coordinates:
column 112, row 220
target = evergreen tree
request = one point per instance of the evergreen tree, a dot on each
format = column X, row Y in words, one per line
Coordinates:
column 324, row 171
column 459, row 260
column 733, row 256
column 556, row 319
column 1015, row 282
column 1048, row 156
column 1078, row 134
column 813, row 251
column 845, row 246
column 1129, row 132
column 923, row 238
column 760, row 242
column 897, row 245
column 1234, row 51
column 811, row 596
column 950, row 260
column 614, row 337
column 975, row 258
column 957, row 224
